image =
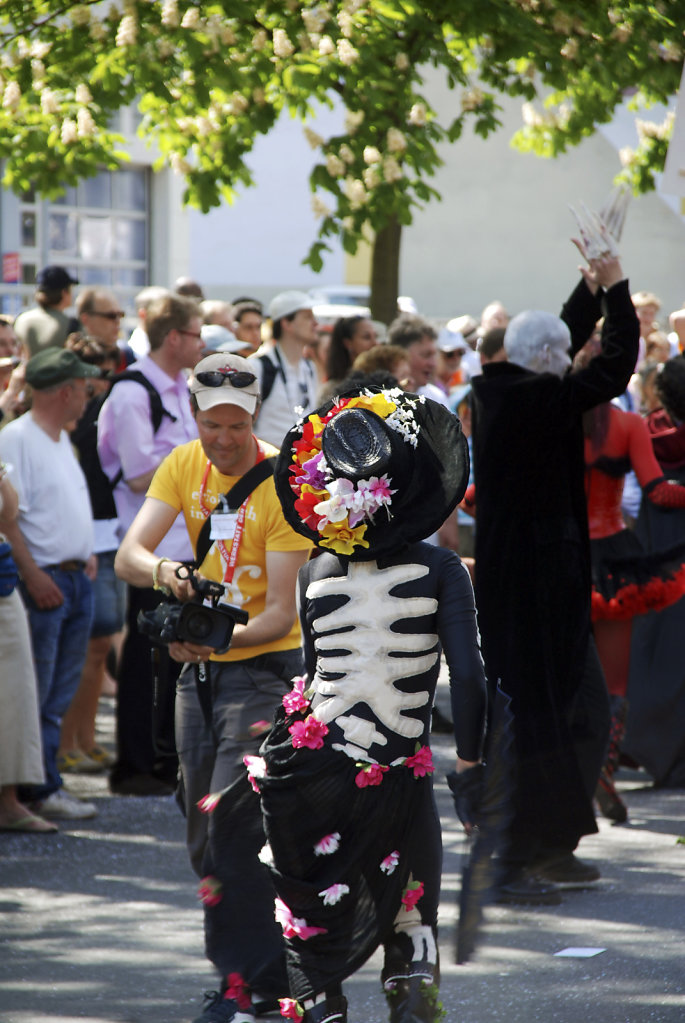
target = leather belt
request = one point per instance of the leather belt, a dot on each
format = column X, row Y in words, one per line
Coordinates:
column 68, row 566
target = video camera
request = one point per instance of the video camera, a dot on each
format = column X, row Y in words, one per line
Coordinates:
column 194, row 621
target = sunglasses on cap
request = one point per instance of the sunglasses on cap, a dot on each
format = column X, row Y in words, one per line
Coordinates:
column 217, row 377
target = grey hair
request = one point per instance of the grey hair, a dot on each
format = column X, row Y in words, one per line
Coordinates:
column 538, row 341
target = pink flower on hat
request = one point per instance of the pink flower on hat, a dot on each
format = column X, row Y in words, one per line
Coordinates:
column 334, row 894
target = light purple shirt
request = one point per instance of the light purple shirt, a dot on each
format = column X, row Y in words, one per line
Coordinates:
column 126, row 442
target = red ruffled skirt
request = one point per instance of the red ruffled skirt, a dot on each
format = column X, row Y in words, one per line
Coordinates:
column 626, row 581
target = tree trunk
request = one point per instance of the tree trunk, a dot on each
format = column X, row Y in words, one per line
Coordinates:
column 385, row 272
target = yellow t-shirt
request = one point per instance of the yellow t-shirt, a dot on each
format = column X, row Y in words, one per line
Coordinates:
column 177, row 482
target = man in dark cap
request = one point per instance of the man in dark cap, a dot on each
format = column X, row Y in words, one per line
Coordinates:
column 52, row 544
column 47, row 325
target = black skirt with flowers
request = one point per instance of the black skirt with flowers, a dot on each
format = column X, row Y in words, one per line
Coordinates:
column 342, row 855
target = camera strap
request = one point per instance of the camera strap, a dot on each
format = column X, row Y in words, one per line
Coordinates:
column 234, row 498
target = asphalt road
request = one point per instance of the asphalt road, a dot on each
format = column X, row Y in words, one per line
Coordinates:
column 100, row 923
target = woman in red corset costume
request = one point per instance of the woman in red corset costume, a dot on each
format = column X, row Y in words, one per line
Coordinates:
column 625, row 580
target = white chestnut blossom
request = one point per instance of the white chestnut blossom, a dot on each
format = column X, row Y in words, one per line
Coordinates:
column 471, row 99
column 191, row 19
column 371, row 176
column 346, row 153
column 80, row 15
column 319, row 207
column 353, row 118
column 402, row 62
column 11, row 98
column 314, row 19
column 282, row 46
column 372, row 155
column 170, row 16
column 68, row 132
column 259, row 39
column 345, row 22
column 418, row 114
column 82, row 94
column 570, row 49
column 48, row 102
column 355, row 192
column 85, row 123
column 334, row 165
column 314, row 140
column 326, row 46
column 40, row 49
column 396, row 141
column 347, row 53
column 97, row 30
column 391, row 170
column 127, row 33
column 178, row 163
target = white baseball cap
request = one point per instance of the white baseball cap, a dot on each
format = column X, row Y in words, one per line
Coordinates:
column 288, row 303
column 223, row 390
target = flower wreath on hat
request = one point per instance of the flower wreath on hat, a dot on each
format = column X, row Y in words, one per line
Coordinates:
column 338, row 509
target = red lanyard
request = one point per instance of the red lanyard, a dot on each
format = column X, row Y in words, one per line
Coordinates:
column 229, row 557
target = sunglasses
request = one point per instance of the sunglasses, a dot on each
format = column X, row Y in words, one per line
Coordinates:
column 217, row 377
column 109, row 315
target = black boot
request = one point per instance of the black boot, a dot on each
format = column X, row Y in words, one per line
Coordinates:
column 414, row 1000
column 411, row 988
column 333, row 1010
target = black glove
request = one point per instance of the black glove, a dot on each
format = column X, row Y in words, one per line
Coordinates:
column 466, row 788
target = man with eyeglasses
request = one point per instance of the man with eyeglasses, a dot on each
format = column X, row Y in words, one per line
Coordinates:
column 226, row 701
column 140, row 423
column 101, row 315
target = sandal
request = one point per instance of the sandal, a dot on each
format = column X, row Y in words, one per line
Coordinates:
column 31, row 823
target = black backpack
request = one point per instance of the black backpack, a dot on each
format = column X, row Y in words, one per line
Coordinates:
column 269, row 373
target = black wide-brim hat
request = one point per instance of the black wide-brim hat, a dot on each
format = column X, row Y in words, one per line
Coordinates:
column 419, row 446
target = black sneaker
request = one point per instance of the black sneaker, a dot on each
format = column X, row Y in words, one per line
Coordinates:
column 218, row 1009
column 567, row 871
column 521, row 889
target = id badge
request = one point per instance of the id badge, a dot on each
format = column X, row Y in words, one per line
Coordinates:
column 223, row 525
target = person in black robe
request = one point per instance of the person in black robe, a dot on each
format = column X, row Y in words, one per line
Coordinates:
column 533, row 581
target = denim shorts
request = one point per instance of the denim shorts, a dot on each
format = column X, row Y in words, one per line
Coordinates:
column 110, row 598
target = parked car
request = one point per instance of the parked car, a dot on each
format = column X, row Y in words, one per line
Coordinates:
column 336, row 300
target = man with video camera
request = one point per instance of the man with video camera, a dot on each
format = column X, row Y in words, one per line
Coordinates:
column 223, row 484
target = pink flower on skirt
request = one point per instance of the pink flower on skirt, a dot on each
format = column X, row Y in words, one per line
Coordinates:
column 259, row 727
column 412, row 894
column 309, row 733
column 421, row 762
column 390, row 862
column 209, row 891
column 237, row 991
column 295, row 700
column 370, row 775
column 209, row 802
column 290, row 1009
column 294, row 927
column 331, row 896
column 256, row 768
column 328, row 844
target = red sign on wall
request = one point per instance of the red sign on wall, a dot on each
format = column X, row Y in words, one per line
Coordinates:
column 11, row 268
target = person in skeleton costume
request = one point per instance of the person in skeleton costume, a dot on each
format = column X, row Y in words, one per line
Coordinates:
column 353, row 835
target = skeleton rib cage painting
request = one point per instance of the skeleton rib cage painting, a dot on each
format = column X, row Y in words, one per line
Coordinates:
column 352, row 832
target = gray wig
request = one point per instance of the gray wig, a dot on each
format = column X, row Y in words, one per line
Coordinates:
column 538, row 341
